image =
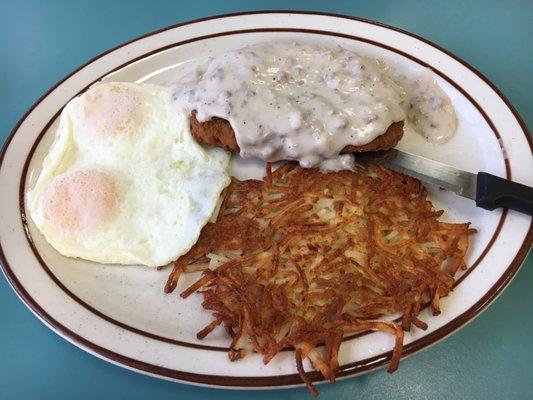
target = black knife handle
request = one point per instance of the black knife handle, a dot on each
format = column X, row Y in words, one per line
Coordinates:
column 495, row 192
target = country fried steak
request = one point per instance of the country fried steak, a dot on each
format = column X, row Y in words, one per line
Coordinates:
column 217, row 132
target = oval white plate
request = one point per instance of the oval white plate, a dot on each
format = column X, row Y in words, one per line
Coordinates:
column 120, row 313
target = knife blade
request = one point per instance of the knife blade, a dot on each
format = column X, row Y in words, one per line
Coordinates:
column 488, row 191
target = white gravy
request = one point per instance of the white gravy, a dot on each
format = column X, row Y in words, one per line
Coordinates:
column 431, row 112
column 291, row 101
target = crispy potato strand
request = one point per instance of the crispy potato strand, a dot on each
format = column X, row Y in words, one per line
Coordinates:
column 303, row 258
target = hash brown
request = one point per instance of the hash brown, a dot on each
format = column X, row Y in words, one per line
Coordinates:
column 302, row 258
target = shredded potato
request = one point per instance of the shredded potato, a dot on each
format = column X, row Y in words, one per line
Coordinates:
column 302, row 259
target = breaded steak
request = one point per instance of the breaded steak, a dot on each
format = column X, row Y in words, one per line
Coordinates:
column 218, row 132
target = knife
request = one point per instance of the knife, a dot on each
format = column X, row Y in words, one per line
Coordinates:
column 487, row 190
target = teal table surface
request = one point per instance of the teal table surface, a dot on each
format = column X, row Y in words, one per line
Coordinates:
column 42, row 41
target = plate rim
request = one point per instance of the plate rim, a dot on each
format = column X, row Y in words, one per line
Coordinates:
column 281, row 380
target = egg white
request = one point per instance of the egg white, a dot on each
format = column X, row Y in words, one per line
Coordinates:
column 167, row 184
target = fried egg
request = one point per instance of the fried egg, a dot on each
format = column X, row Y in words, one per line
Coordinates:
column 124, row 181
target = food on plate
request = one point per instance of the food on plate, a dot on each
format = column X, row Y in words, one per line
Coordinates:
column 297, row 260
column 310, row 103
column 124, row 181
column 218, row 132
column 303, row 258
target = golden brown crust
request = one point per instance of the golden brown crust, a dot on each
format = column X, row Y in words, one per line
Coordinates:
column 217, row 132
column 303, row 258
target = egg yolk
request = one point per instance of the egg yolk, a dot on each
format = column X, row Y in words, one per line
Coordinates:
column 81, row 201
column 110, row 109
